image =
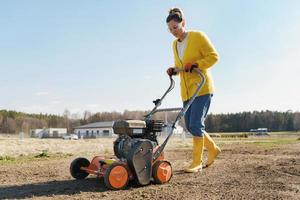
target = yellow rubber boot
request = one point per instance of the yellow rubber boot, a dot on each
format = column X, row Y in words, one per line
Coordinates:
column 198, row 143
column 213, row 149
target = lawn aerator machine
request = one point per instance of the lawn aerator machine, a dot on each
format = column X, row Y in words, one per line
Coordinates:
column 138, row 156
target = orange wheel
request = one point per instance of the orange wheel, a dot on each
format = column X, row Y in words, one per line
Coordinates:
column 162, row 172
column 116, row 176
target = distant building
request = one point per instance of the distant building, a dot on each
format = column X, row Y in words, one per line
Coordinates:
column 95, row 130
column 177, row 132
column 259, row 131
column 105, row 129
column 35, row 132
column 48, row 132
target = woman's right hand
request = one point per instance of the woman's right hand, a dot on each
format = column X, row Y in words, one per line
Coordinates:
column 171, row 71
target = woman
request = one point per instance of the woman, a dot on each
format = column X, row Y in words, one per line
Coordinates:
column 193, row 49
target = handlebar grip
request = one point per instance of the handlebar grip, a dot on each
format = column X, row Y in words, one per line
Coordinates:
column 180, row 69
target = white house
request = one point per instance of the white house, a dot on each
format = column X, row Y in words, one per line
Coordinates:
column 105, row 129
column 94, row 130
column 35, row 132
column 48, row 132
column 259, row 131
column 177, row 132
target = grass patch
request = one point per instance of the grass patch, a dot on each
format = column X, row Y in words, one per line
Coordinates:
column 44, row 155
column 274, row 142
column 230, row 135
column 6, row 158
column 285, row 133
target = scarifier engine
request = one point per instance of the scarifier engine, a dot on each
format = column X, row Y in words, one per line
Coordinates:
column 132, row 131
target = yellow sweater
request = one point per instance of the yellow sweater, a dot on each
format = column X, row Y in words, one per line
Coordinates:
column 198, row 50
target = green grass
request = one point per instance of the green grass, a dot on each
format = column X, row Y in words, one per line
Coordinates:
column 44, row 155
column 237, row 134
column 273, row 143
column 284, row 133
column 6, row 159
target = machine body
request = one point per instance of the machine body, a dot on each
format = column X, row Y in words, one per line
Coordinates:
column 138, row 156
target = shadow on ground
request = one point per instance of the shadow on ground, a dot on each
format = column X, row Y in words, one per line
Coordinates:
column 67, row 187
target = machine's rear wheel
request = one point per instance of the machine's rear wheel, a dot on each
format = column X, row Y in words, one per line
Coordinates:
column 162, row 172
column 75, row 166
column 116, row 176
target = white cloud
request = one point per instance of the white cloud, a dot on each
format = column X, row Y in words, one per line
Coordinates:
column 91, row 106
column 56, row 102
column 147, row 78
column 42, row 93
column 35, row 108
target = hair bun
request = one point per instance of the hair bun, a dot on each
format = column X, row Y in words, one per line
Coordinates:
column 175, row 14
column 175, row 10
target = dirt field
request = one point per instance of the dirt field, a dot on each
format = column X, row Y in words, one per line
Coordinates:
column 251, row 168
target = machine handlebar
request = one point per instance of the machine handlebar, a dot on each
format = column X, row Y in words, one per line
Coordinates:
column 182, row 110
column 180, row 69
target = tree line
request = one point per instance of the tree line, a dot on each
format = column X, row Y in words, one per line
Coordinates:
column 244, row 121
column 15, row 122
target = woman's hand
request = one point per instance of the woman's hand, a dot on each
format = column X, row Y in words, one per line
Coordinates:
column 188, row 67
column 171, row 71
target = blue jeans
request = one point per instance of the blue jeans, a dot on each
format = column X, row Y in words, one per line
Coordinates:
column 196, row 114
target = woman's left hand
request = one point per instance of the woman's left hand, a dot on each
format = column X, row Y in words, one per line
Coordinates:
column 188, row 67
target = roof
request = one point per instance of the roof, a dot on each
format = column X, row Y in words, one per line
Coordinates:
column 107, row 124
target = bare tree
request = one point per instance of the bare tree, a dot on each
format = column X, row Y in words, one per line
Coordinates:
column 66, row 116
column 86, row 115
column 296, row 121
column 12, row 125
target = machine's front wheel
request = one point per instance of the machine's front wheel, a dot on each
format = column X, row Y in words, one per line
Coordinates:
column 116, row 176
column 75, row 166
column 162, row 172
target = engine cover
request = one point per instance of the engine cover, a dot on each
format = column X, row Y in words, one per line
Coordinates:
column 140, row 160
column 124, row 143
column 132, row 128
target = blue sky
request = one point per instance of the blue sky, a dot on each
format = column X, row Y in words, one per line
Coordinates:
column 112, row 55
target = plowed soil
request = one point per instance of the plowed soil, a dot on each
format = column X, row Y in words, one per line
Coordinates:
column 242, row 171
